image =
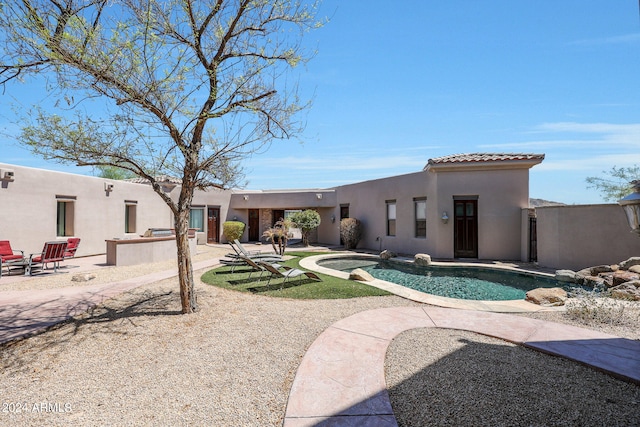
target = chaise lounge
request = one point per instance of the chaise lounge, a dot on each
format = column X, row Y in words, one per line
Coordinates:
column 287, row 274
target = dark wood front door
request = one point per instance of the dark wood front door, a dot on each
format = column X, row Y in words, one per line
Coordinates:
column 465, row 229
column 254, row 225
column 213, row 225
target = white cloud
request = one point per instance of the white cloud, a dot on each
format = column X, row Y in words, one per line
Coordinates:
column 622, row 39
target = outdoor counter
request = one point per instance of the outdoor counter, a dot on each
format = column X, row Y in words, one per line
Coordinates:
column 144, row 250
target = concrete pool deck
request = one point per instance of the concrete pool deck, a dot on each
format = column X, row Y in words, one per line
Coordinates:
column 513, row 306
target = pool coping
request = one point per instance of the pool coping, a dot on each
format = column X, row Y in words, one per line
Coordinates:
column 511, row 306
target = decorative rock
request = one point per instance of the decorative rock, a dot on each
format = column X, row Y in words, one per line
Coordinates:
column 422, row 259
column 569, row 276
column 83, row 277
column 387, row 254
column 594, row 282
column 625, row 265
column 360, row 274
column 595, row 270
column 628, row 290
column 547, row 296
column 622, row 276
column 634, row 269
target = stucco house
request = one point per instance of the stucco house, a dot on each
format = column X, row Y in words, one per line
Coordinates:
column 458, row 206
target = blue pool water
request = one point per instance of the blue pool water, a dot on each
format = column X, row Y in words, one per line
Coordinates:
column 471, row 283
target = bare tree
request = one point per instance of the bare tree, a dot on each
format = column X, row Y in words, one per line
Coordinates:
column 617, row 183
column 185, row 87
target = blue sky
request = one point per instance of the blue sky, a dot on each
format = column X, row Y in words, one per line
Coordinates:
column 397, row 83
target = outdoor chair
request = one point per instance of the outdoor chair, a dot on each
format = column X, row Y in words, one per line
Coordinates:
column 9, row 256
column 242, row 261
column 52, row 252
column 288, row 274
column 241, row 252
column 72, row 247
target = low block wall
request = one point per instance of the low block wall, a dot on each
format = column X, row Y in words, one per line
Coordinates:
column 144, row 250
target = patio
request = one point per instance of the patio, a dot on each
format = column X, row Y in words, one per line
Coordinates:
column 241, row 369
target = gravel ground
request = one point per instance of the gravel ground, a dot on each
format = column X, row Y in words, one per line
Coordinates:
column 137, row 361
column 439, row 377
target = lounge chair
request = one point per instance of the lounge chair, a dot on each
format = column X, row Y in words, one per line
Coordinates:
column 9, row 256
column 241, row 252
column 244, row 261
column 288, row 274
column 72, row 247
column 52, row 252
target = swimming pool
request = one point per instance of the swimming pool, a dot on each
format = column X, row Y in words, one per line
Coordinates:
column 469, row 283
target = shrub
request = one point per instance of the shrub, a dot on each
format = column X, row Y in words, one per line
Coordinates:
column 232, row 230
column 278, row 235
column 350, row 232
column 306, row 221
column 596, row 307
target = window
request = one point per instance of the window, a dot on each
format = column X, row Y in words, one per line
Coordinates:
column 130, row 208
column 391, row 217
column 196, row 218
column 420, row 205
column 64, row 216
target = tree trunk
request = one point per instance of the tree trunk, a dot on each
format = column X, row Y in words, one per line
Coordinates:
column 185, row 268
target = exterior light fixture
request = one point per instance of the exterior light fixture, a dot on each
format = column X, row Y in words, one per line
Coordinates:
column 245, row 197
column 333, row 218
column 631, row 206
column 319, row 196
column 445, row 217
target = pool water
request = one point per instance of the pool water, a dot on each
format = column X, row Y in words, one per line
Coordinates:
column 471, row 283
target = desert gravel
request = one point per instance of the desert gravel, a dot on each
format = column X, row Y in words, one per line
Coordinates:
column 136, row 360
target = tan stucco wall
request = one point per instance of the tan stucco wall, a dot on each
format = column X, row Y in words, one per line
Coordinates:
column 29, row 206
column 576, row 237
column 501, row 196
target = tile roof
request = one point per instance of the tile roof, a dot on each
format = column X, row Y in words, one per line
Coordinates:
column 484, row 157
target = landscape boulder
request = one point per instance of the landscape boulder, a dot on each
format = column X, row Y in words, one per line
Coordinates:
column 568, row 276
column 547, row 296
column 634, row 269
column 622, row 276
column 83, row 277
column 422, row 259
column 360, row 274
column 627, row 290
column 387, row 254
column 633, row 261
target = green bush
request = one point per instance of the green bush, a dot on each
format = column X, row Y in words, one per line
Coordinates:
column 350, row 232
column 306, row 221
column 232, row 230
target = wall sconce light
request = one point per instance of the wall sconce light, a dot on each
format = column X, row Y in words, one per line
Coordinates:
column 333, row 219
column 7, row 175
column 631, row 206
column 319, row 196
column 108, row 187
column 445, row 217
column 246, row 197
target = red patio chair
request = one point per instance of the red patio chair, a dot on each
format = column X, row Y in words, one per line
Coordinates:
column 52, row 252
column 8, row 255
column 72, row 247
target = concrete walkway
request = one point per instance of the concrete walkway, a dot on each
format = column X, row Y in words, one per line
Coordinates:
column 341, row 382
column 24, row 313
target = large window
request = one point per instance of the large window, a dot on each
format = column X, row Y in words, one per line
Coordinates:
column 196, row 218
column 64, row 216
column 420, row 207
column 391, row 217
column 130, row 208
